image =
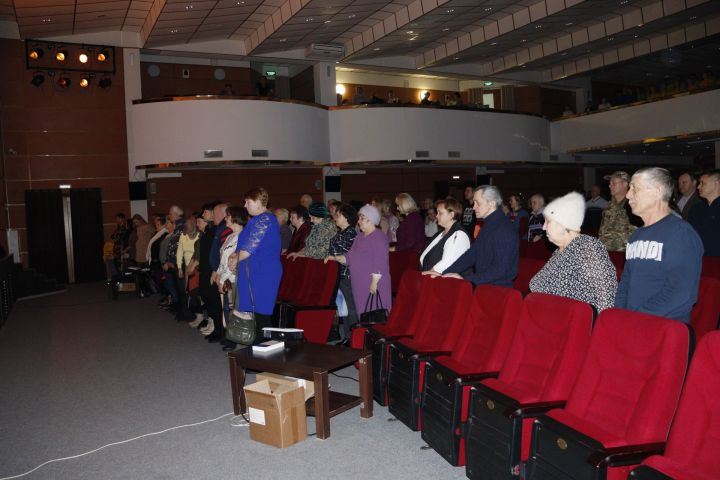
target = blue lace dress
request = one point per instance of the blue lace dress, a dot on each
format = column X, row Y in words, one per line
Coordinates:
column 261, row 239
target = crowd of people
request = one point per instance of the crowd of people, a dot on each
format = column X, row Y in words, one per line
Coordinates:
column 226, row 258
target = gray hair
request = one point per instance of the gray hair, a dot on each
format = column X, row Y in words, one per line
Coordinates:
column 491, row 194
column 659, row 178
column 179, row 211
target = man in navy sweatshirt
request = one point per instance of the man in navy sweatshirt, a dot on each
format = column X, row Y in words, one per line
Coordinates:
column 494, row 254
column 663, row 259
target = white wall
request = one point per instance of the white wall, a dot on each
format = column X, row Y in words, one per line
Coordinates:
column 177, row 132
column 369, row 134
column 676, row 116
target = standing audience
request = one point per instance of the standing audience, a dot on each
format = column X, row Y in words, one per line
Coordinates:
column 536, row 219
column 411, row 232
column 346, row 219
column 663, row 259
column 300, row 220
column 705, row 215
column 618, row 221
column 493, row 256
column 449, row 243
column 687, row 194
column 323, row 230
column 580, row 268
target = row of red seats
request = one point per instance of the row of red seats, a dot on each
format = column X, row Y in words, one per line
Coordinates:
column 306, row 297
column 433, row 351
column 704, row 315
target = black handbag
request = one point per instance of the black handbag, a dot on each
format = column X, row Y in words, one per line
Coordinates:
column 375, row 312
column 241, row 326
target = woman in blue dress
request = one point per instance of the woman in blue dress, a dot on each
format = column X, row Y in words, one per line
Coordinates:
column 258, row 260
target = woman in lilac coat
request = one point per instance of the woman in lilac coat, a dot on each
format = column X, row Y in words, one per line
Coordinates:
column 368, row 261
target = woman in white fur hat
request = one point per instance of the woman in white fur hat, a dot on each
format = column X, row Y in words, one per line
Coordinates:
column 580, row 268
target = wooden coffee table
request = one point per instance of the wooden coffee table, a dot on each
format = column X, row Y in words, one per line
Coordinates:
column 309, row 361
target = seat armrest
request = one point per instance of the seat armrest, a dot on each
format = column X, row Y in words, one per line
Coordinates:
column 471, row 378
column 625, row 455
column 431, row 353
column 535, row 409
column 365, row 325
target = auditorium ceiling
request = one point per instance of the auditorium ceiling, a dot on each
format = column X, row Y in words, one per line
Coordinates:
column 545, row 40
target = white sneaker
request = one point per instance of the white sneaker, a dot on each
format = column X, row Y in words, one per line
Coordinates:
column 198, row 320
column 209, row 329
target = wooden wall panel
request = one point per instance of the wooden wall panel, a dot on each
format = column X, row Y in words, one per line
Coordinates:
column 52, row 136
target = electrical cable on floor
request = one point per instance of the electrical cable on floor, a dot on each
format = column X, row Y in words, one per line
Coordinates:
column 120, row 443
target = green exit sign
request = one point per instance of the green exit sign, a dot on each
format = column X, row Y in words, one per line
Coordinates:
column 271, row 73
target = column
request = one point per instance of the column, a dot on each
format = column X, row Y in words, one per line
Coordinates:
column 133, row 91
column 324, row 74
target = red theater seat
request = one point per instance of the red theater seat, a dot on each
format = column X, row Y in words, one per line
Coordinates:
column 622, row 403
column 544, row 360
column 311, row 306
column 711, row 267
column 706, row 312
column 399, row 263
column 446, row 304
column 479, row 353
column 694, row 442
column 527, row 268
column 401, row 322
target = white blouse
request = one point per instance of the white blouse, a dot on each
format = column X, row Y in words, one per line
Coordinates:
column 226, row 250
column 455, row 246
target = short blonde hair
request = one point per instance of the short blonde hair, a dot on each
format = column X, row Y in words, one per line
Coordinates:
column 406, row 204
column 282, row 214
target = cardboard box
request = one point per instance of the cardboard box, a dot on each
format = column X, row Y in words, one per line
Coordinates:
column 308, row 385
column 276, row 412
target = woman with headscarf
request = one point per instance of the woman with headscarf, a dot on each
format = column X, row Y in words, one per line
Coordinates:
column 323, row 230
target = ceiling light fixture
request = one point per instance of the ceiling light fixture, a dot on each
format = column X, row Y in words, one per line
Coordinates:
column 61, row 55
column 83, row 58
column 103, row 55
column 38, row 79
column 63, row 81
column 105, row 82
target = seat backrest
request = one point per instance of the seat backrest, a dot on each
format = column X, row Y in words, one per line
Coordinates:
column 399, row 263
column 548, row 347
column 292, row 279
column 444, row 306
column 695, row 431
column 405, row 308
column 618, row 259
column 488, row 329
column 706, row 312
column 631, row 379
column 319, row 283
column 527, row 268
column 711, row 267
column 538, row 250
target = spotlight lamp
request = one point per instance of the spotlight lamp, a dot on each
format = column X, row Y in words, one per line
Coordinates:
column 61, row 55
column 102, row 56
column 83, row 57
column 36, row 53
column 84, row 82
column 38, row 79
column 63, row 81
column 105, row 82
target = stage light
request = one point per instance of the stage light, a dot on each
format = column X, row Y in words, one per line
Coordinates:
column 63, row 81
column 83, row 58
column 105, row 82
column 84, row 82
column 36, row 54
column 102, row 56
column 38, row 79
column 61, row 55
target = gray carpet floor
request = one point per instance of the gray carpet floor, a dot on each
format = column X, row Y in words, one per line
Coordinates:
column 79, row 371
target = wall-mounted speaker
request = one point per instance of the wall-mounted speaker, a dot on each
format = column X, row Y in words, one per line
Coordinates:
column 138, row 190
column 332, row 184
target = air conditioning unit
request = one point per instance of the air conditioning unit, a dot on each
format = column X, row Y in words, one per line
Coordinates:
column 325, row 51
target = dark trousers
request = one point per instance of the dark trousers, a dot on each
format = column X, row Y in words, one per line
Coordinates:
column 262, row 321
column 352, row 316
column 211, row 298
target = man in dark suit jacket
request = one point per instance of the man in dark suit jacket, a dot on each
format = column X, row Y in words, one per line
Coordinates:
column 687, row 193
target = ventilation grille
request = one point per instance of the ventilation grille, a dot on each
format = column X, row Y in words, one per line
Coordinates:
column 260, row 153
column 422, row 154
column 453, row 154
column 213, row 153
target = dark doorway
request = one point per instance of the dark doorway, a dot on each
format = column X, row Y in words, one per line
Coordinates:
column 87, row 234
column 58, row 218
column 46, row 233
